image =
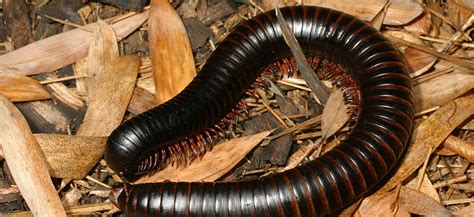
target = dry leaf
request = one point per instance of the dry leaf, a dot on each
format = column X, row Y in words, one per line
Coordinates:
column 430, row 134
column 469, row 125
column 382, row 204
column 461, row 147
column 110, row 85
column 27, row 162
column 318, row 88
column 71, row 157
column 418, row 203
column 400, row 12
column 426, row 187
column 420, row 26
column 71, row 197
column 466, row 211
column 459, row 11
column 418, row 60
column 377, row 21
column 442, row 89
column 62, row 49
column 212, row 165
column 20, row 88
column 335, row 114
column 170, row 51
column 147, row 84
column 142, row 100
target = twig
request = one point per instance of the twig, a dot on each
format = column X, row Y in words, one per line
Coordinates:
column 423, row 170
column 318, row 88
column 90, row 178
column 75, row 210
column 455, row 60
column 454, row 180
column 289, row 84
column 65, row 22
column 63, row 79
column 315, row 120
column 426, row 111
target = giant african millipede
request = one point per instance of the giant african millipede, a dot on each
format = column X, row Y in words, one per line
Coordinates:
column 347, row 51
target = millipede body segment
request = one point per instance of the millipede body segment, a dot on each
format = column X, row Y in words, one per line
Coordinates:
column 183, row 127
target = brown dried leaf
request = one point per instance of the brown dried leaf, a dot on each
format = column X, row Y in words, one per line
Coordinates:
column 71, row 197
column 142, row 100
column 466, row 211
column 445, row 151
column 62, row 49
column 170, row 51
column 461, row 147
column 377, row 21
column 469, row 125
column 442, row 89
column 147, row 83
column 110, row 85
column 459, row 11
column 335, row 114
column 381, row 204
column 419, row 203
column 418, row 60
column 400, row 12
column 27, row 162
column 71, row 157
column 426, row 187
column 212, row 165
column 420, row 26
column 20, row 88
column 430, row 134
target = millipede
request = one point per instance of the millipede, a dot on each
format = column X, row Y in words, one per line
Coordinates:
column 341, row 48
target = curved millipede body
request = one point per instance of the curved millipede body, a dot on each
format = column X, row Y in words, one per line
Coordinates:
column 336, row 179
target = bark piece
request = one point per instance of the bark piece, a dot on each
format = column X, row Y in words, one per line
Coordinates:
column 218, row 11
column 198, row 33
column 46, row 117
column 18, row 23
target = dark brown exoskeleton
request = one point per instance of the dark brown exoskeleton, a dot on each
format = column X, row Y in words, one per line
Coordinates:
column 365, row 64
